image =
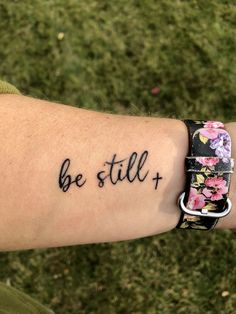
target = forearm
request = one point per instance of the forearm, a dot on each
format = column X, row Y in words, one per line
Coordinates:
column 45, row 144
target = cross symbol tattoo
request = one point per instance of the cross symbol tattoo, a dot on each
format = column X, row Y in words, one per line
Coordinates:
column 156, row 178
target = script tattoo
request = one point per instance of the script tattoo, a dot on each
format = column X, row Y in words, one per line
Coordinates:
column 65, row 180
column 130, row 169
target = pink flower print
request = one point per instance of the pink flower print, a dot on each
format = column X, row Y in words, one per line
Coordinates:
column 208, row 161
column 215, row 188
column 213, row 124
column 195, row 201
column 209, row 133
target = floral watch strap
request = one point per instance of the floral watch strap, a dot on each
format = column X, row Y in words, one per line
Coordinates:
column 208, row 168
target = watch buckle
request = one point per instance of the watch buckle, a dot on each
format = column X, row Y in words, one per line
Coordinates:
column 204, row 212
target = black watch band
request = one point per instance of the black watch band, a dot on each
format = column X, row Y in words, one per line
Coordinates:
column 208, row 170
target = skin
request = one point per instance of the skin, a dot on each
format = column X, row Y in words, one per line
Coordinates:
column 38, row 136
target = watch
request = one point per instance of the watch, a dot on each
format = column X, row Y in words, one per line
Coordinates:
column 208, row 171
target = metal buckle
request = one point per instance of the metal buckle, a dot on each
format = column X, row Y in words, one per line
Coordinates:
column 203, row 212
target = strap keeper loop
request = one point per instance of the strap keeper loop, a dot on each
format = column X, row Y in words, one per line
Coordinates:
column 209, row 164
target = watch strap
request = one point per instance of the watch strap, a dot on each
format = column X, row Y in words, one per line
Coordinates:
column 208, row 170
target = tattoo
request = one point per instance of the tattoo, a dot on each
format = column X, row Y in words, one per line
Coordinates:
column 65, row 180
column 130, row 169
column 157, row 178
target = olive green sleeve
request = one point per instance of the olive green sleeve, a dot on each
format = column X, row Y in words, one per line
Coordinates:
column 16, row 302
column 7, row 88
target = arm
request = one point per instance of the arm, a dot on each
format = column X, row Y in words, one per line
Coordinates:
column 71, row 176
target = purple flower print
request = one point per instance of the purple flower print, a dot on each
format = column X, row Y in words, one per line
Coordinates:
column 222, row 146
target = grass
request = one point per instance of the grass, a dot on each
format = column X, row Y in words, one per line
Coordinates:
column 108, row 56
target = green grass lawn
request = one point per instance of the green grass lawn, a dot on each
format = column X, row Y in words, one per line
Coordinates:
column 166, row 58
